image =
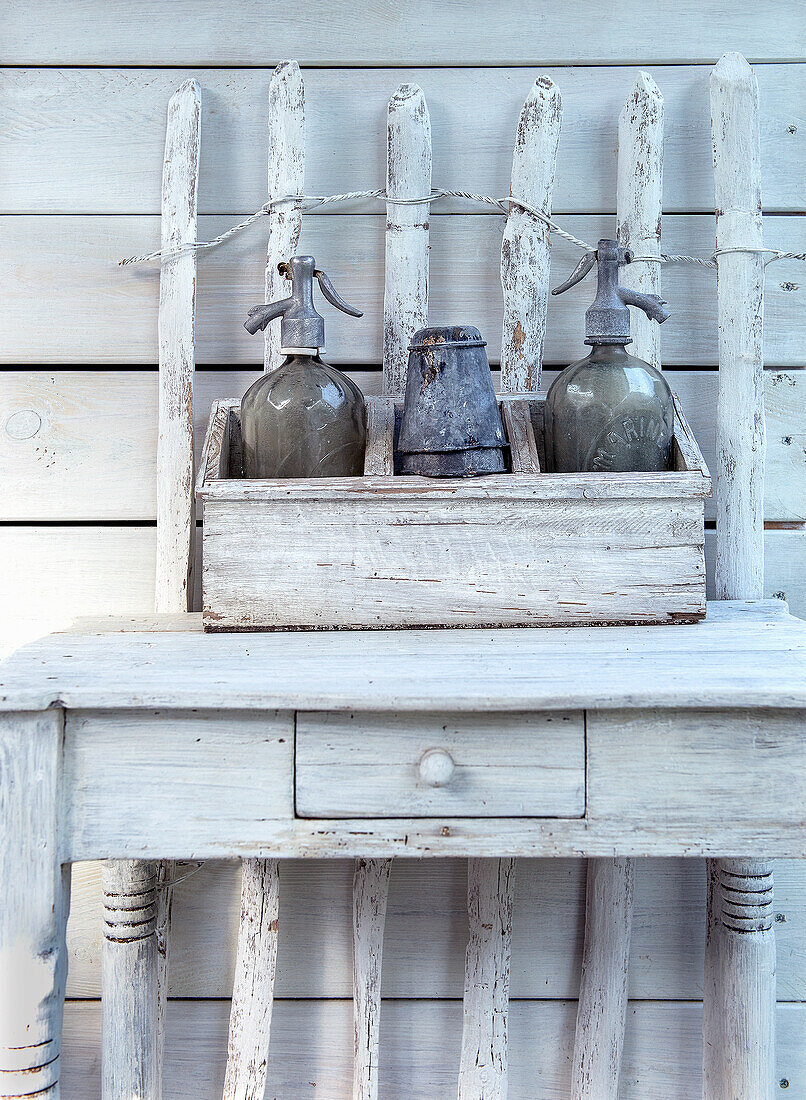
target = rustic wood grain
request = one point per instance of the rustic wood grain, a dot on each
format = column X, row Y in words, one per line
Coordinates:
column 741, row 658
column 525, row 249
column 408, row 176
column 739, row 992
column 370, row 894
column 369, row 33
column 112, row 162
column 109, row 313
column 483, row 1064
column 36, row 900
column 66, row 470
column 253, row 988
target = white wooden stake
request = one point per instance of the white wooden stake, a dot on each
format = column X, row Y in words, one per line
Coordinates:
column 602, row 1006
column 370, row 893
column 135, row 946
column 483, row 1066
column 739, row 988
column 740, row 412
column 175, row 508
column 253, row 989
column 408, row 176
column 33, row 914
column 286, row 177
column 640, row 202
column 525, row 250
column 602, row 1009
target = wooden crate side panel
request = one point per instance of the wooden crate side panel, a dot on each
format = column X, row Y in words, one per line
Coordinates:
column 387, row 563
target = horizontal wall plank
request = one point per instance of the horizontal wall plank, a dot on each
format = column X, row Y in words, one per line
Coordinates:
column 81, row 445
column 312, row 1043
column 426, row 930
column 254, row 32
column 111, row 160
column 54, row 574
column 67, row 301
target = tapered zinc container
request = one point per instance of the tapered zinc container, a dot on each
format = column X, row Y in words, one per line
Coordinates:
column 450, row 425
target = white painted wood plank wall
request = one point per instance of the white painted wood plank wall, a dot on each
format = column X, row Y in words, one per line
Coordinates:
column 78, row 403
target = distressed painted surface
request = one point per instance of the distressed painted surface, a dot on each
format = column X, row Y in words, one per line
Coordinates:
column 408, row 176
column 525, row 251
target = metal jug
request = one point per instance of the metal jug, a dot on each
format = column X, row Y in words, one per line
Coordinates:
column 451, row 425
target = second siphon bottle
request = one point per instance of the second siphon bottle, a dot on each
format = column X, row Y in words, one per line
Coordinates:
column 610, row 411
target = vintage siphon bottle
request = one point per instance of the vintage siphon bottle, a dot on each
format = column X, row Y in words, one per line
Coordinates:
column 305, row 418
column 609, row 411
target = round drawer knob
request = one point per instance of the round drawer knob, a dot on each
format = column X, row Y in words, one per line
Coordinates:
column 436, row 767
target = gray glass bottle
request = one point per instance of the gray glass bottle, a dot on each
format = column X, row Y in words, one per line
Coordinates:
column 609, row 411
column 305, row 418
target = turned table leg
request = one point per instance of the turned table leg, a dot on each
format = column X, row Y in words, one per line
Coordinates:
column 129, row 1067
column 35, row 892
column 739, row 991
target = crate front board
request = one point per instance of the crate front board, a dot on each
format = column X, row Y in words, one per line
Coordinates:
column 518, row 549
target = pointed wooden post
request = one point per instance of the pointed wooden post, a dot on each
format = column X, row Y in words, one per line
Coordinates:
column 739, row 988
column 602, row 1009
column 408, row 176
column 526, row 249
column 370, row 893
column 483, row 1066
column 525, row 263
column 286, row 177
column 137, row 894
column 640, row 204
column 253, row 987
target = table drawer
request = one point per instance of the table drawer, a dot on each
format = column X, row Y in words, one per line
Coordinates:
column 450, row 765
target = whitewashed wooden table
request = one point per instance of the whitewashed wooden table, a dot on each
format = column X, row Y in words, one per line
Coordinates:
column 150, row 740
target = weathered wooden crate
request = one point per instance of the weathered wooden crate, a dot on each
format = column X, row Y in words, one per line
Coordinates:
column 515, row 549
